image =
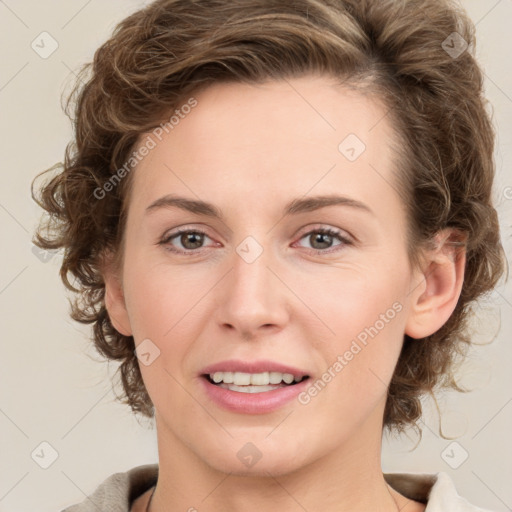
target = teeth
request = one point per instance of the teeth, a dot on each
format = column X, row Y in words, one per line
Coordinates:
column 249, row 389
column 254, row 379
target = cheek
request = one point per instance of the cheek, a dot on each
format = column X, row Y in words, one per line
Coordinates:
column 160, row 299
column 355, row 304
column 167, row 306
column 165, row 309
column 367, row 317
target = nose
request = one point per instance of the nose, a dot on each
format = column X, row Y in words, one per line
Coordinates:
column 253, row 298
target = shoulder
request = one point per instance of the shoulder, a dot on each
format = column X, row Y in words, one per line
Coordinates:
column 438, row 491
column 119, row 490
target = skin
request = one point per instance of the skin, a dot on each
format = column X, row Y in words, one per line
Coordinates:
column 250, row 150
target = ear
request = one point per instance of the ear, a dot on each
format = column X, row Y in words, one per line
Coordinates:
column 435, row 298
column 114, row 297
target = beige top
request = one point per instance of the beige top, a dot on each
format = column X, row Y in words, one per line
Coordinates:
column 117, row 492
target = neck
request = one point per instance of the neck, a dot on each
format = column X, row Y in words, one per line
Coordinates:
column 348, row 478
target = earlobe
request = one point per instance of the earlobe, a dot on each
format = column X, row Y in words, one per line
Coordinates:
column 443, row 275
column 115, row 302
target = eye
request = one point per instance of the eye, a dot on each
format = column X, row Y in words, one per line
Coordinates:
column 322, row 239
column 191, row 241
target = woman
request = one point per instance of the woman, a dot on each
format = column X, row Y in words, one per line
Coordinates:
column 277, row 215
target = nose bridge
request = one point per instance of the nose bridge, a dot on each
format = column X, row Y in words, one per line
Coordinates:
column 252, row 296
column 251, row 273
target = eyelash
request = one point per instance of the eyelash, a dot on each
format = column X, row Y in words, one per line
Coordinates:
column 324, row 231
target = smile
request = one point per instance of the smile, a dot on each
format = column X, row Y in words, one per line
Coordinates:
column 253, row 393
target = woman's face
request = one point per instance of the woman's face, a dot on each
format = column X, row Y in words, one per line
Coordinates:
column 265, row 283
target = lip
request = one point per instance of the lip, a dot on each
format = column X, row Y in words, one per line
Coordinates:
column 259, row 366
column 253, row 403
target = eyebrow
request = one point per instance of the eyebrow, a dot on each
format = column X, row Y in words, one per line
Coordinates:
column 296, row 206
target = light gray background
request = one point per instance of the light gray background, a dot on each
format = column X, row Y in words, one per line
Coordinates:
column 51, row 388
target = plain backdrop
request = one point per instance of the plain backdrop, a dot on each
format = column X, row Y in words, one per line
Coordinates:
column 53, row 387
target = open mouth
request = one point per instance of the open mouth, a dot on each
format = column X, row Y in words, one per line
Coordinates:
column 253, row 382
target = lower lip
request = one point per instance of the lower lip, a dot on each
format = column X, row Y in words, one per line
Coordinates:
column 253, row 403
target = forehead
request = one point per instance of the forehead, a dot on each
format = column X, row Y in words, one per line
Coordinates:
column 294, row 134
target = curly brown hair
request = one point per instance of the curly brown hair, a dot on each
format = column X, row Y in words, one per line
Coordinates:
column 411, row 54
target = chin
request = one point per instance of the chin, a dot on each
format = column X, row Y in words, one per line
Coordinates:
column 275, row 464
column 256, row 454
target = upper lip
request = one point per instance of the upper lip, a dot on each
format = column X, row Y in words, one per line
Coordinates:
column 259, row 366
